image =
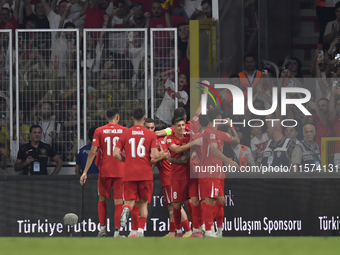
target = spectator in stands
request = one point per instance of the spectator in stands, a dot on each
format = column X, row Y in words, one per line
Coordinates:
column 137, row 17
column 332, row 28
column 3, row 159
column 23, row 127
column 278, row 150
column 6, row 20
column 263, row 91
column 117, row 39
column 166, row 109
column 61, row 51
column 33, row 157
column 294, row 113
column 292, row 132
column 183, row 38
column 83, row 154
column 135, row 49
column 291, row 73
column 69, row 133
column 54, row 18
column 207, row 9
column 226, row 95
column 250, row 76
column 326, row 12
column 307, row 152
column 320, row 119
column 95, row 13
column 193, row 9
column 48, row 123
column 258, row 142
column 78, row 11
column 162, row 42
column 334, row 109
column 39, row 14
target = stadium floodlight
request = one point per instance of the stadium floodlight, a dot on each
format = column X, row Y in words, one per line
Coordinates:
column 70, row 220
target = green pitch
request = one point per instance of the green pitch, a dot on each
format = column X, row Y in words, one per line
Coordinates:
column 173, row 246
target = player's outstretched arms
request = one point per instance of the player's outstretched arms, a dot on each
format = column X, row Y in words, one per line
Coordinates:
column 221, row 156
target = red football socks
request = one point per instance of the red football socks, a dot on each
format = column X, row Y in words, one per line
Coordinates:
column 196, row 211
column 177, row 218
column 209, row 216
column 202, row 218
column 135, row 217
column 102, row 212
column 118, row 213
column 219, row 212
column 141, row 222
column 185, row 225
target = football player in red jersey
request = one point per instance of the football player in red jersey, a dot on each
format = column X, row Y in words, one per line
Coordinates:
column 210, row 186
column 141, row 151
column 105, row 138
column 178, row 145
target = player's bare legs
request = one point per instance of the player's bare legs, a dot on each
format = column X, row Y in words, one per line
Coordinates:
column 118, row 212
column 209, row 216
column 127, row 208
column 143, row 215
column 134, row 219
column 102, row 216
column 219, row 214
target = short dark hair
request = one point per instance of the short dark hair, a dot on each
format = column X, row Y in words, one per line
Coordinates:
column 337, row 5
column 213, row 114
column 157, row 1
column 160, row 126
column 182, row 24
column 234, row 75
column 249, row 55
column 323, row 99
column 117, row 2
column 111, row 113
column 149, row 120
column 63, row 1
column 91, row 133
column 177, row 119
column 69, row 24
column 203, row 119
column 138, row 113
column 291, row 123
column 206, row 2
column 35, row 126
column 180, row 112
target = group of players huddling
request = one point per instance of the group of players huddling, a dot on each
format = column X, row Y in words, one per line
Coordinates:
column 125, row 161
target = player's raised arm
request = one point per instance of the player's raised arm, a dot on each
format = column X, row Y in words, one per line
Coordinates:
column 89, row 161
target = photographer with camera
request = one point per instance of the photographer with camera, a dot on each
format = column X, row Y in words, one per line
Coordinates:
column 33, row 156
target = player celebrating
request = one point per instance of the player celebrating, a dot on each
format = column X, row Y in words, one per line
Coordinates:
column 210, row 182
column 110, row 169
column 141, row 152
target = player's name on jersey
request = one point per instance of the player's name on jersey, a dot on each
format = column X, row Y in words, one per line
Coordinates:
column 137, row 132
column 113, row 131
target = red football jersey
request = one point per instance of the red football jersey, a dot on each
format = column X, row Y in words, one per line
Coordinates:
column 164, row 165
column 195, row 124
column 178, row 171
column 137, row 143
column 106, row 138
column 210, row 135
